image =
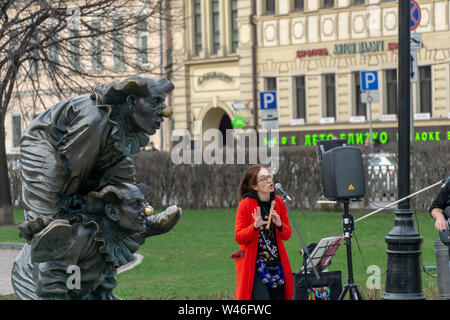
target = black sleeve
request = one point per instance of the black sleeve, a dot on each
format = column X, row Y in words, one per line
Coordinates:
column 442, row 199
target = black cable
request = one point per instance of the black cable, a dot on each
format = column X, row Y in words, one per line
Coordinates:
column 421, row 260
column 360, row 251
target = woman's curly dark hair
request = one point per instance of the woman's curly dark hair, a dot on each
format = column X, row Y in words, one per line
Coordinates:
column 249, row 180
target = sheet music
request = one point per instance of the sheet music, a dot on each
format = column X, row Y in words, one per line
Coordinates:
column 323, row 252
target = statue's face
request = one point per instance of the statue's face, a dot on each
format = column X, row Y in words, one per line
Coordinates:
column 147, row 114
column 130, row 213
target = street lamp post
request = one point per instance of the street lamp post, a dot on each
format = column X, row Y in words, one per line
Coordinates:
column 403, row 277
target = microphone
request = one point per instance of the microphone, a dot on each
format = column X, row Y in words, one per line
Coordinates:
column 282, row 191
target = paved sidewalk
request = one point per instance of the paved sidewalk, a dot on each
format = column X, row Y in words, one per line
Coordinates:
column 7, row 257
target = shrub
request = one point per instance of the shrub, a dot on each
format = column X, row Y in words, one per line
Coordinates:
column 203, row 186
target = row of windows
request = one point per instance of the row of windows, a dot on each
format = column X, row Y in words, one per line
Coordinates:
column 213, row 7
column 299, row 5
column 329, row 93
column 216, row 30
column 96, row 45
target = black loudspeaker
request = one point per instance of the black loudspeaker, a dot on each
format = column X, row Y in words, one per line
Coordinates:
column 343, row 173
column 325, row 145
column 330, row 280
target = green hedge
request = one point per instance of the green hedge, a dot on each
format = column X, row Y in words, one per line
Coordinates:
column 203, row 186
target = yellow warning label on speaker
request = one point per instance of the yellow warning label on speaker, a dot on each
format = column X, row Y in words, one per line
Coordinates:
column 351, row 187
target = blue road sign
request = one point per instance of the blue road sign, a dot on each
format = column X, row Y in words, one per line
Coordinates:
column 268, row 100
column 415, row 13
column 369, row 80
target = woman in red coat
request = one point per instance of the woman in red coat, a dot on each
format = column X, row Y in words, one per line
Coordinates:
column 262, row 267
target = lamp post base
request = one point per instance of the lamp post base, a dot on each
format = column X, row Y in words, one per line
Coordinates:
column 403, row 277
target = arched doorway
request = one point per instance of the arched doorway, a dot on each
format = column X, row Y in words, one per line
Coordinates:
column 225, row 123
column 216, row 118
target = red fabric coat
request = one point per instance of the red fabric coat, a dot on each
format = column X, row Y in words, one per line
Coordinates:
column 247, row 237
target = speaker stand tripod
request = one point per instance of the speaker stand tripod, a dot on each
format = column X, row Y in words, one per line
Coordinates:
column 349, row 226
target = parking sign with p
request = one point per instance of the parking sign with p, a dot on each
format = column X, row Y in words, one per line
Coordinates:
column 268, row 100
column 369, row 80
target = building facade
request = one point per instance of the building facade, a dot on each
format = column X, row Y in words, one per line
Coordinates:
column 211, row 57
column 311, row 53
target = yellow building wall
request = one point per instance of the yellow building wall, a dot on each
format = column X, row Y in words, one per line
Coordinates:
column 281, row 35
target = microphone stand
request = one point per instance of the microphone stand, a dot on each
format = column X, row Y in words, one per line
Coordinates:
column 305, row 248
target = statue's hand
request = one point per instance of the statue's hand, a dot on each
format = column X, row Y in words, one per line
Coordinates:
column 29, row 228
column 163, row 222
column 50, row 242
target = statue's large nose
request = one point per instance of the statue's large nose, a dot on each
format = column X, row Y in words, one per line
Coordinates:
column 167, row 111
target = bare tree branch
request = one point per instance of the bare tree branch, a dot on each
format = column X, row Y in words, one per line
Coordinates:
column 50, row 50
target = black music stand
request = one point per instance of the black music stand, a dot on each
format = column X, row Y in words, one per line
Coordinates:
column 322, row 253
column 320, row 257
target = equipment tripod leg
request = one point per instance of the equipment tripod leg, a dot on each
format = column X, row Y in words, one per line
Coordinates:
column 348, row 229
column 352, row 289
column 344, row 292
column 354, row 293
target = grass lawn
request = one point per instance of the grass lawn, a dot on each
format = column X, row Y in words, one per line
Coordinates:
column 192, row 261
column 11, row 233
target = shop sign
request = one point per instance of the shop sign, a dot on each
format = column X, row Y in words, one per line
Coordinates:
column 214, row 75
column 312, row 53
column 238, row 105
column 362, row 47
column 238, row 122
column 393, row 46
column 358, row 138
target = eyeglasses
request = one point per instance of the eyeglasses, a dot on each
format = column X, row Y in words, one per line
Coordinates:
column 265, row 178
